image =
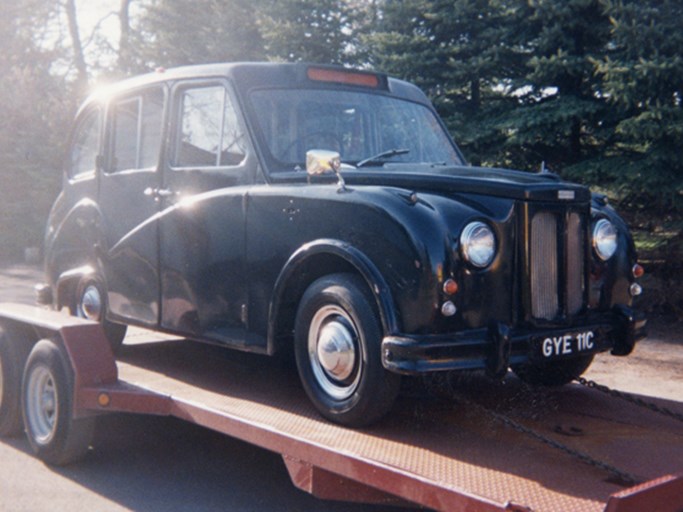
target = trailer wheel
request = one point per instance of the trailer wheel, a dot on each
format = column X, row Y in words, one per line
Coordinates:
column 91, row 303
column 553, row 373
column 47, row 406
column 12, row 358
column 337, row 347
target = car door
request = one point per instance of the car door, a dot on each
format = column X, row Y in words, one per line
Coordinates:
column 210, row 167
column 128, row 198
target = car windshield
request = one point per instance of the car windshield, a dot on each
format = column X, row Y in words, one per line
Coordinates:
column 360, row 126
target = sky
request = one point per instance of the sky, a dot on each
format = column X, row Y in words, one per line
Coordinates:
column 92, row 12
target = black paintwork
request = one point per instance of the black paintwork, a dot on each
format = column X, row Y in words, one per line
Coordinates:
column 227, row 255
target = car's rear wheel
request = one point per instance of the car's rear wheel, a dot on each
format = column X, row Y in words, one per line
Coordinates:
column 337, row 346
column 91, row 303
column 553, row 373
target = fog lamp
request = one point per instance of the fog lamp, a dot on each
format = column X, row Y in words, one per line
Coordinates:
column 448, row 309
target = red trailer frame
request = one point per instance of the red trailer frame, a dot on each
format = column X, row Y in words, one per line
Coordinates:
column 427, row 452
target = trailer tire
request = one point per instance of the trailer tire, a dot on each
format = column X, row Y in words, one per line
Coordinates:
column 553, row 373
column 12, row 358
column 47, row 403
column 338, row 352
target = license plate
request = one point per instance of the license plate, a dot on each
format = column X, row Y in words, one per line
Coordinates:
column 567, row 345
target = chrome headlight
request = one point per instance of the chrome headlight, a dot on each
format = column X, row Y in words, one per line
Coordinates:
column 604, row 239
column 478, row 244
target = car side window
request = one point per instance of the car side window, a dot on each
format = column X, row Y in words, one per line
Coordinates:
column 85, row 145
column 137, row 131
column 209, row 132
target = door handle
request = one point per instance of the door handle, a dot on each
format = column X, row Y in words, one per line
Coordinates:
column 158, row 193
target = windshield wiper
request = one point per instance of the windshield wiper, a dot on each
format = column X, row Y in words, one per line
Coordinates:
column 381, row 157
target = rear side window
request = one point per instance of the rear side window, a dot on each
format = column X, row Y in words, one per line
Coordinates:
column 209, row 133
column 137, row 131
column 85, row 145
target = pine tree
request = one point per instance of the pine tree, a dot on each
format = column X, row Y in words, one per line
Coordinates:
column 459, row 51
column 561, row 118
column 35, row 110
column 181, row 32
column 307, row 30
column 643, row 80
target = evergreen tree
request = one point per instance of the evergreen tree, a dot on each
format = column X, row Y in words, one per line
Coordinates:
column 562, row 118
column 35, row 110
column 180, row 32
column 460, row 52
column 307, row 30
column 643, row 80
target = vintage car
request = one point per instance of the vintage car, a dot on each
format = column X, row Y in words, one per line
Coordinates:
column 327, row 211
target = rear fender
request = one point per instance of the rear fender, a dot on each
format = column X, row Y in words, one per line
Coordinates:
column 68, row 282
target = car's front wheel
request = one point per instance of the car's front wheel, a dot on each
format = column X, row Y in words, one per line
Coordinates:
column 337, row 345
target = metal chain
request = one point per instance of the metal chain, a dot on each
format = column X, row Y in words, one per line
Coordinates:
column 622, row 477
column 630, row 398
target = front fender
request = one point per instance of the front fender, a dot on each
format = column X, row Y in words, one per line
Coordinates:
column 298, row 273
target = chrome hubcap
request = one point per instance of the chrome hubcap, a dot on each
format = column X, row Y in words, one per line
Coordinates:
column 336, row 351
column 91, row 303
column 42, row 404
column 333, row 352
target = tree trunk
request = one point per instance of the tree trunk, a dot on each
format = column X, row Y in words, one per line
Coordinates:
column 79, row 58
column 575, row 142
column 125, row 57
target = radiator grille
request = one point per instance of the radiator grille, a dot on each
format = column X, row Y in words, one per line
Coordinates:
column 554, row 276
column 575, row 258
column 544, row 293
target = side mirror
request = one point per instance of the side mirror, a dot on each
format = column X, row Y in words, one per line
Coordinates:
column 322, row 161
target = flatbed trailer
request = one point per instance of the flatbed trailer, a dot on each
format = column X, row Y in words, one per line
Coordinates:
column 495, row 447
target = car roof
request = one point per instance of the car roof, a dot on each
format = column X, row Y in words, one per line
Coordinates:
column 251, row 75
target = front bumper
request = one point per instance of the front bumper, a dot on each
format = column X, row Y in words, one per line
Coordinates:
column 497, row 347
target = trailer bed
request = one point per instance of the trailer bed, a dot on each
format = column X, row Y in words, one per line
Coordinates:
column 431, row 451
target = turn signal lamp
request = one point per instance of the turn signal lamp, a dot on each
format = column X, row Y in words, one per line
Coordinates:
column 450, row 287
column 638, row 271
column 103, row 400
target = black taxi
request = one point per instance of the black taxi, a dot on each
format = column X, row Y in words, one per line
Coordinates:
column 327, row 211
